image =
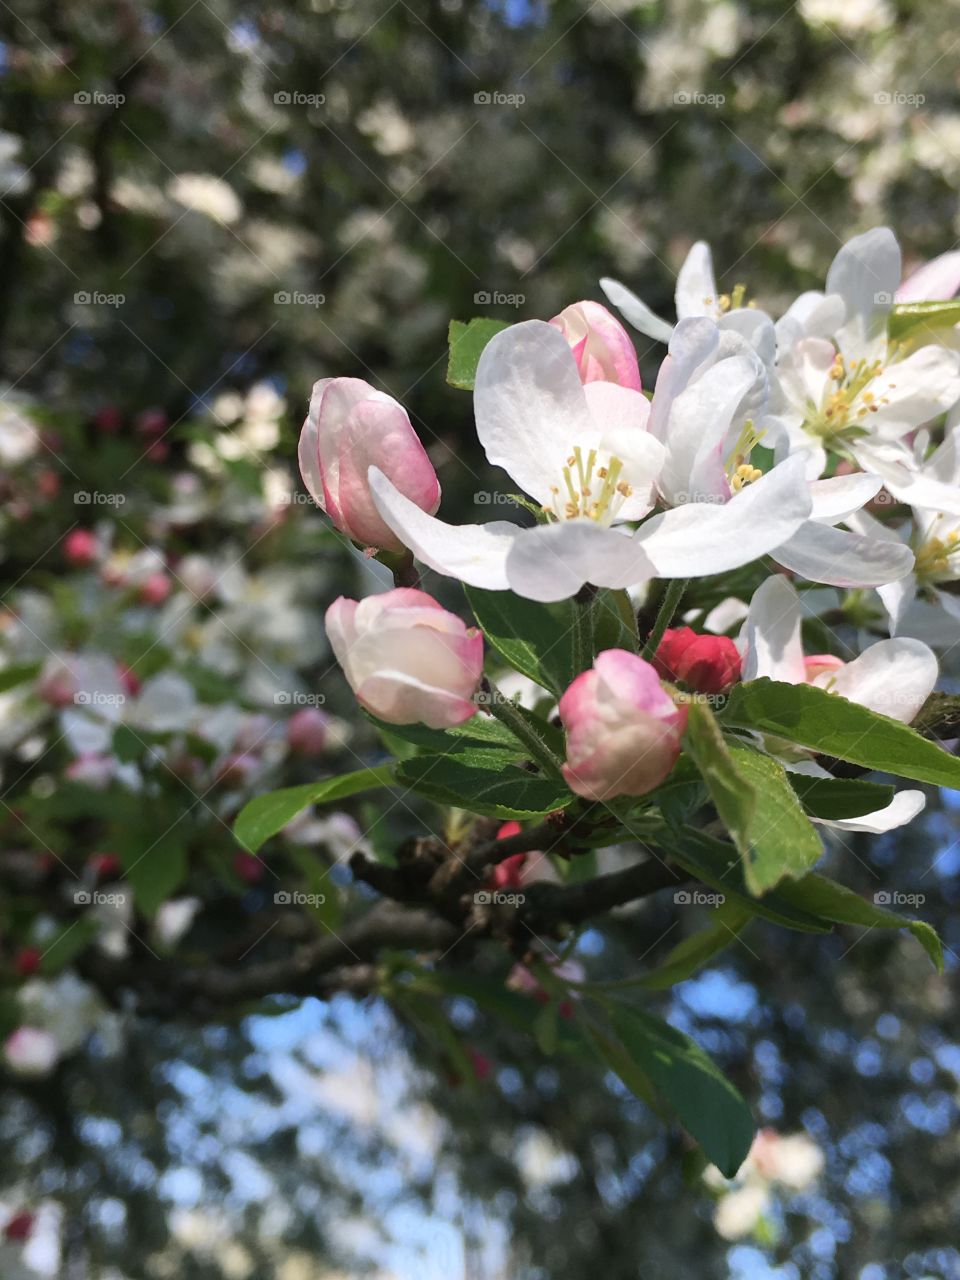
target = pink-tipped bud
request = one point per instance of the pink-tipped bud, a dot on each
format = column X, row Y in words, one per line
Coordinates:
column 709, row 664
column 818, row 664
column 406, row 658
column 351, row 427
column 623, row 729
column 308, row 731
column 600, row 344
column 80, row 546
column 155, row 588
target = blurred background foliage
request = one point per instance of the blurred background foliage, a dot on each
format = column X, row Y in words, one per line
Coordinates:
column 208, row 205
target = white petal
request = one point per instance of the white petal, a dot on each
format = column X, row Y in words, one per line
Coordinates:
column 696, row 293
column 903, row 808
column 936, row 281
column 553, row 561
column 705, row 538
column 530, row 405
column 804, row 373
column 913, row 391
column 897, row 597
column 865, row 273
column 893, row 677
column 693, row 347
column 756, row 327
column 474, row 553
column 636, row 312
column 840, row 496
column 894, row 463
column 812, row 315
column 770, row 640
column 821, row 553
column 309, row 460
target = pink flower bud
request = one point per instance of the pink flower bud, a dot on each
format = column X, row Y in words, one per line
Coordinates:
column 709, row 664
column 351, row 427
column 623, row 730
column 308, row 731
column 248, row 868
column 27, row 961
column 816, row 664
column 80, row 546
column 600, row 344
column 31, row 1052
column 406, row 658
column 155, row 588
column 92, row 770
column 20, row 1226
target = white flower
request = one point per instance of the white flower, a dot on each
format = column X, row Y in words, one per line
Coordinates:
column 892, row 677
column 204, row 193
column 583, row 452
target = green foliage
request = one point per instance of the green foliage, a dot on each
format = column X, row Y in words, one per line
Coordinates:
column 263, row 817
column 486, row 781
column 467, row 341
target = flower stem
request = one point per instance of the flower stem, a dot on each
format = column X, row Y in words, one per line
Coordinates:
column 499, row 705
column 583, row 627
column 668, row 607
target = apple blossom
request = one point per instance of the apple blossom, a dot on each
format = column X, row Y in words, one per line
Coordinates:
column 892, row 677
column 584, row 453
column 81, row 547
column 600, row 344
column 709, row 664
column 350, row 428
column 308, row 731
column 623, row 730
column 31, row 1052
column 406, row 658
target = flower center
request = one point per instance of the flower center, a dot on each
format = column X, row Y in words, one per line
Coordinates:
column 939, row 557
column 731, row 301
column 850, row 399
column 738, row 467
column 589, row 492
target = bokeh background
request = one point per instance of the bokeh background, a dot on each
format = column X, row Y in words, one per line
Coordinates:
column 204, row 207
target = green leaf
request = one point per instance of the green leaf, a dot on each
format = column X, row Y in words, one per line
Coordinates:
column 823, row 897
column 18, row 673
column 466, row 343
column 515, row 1010
column 489, row 782
column 535, row 639
column 690, row 955
column 833, row 725
column 836, row 798
column 614, row 622
column 264, row 816
column 781, row 841
column 154, row 869
column 906, row 317
column 480, row 730
column 730, row 791
column 705, row 1101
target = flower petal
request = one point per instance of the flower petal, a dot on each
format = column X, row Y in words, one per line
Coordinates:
column 704, row 538
column 820, row 553
column 912, row 391
column 892, row 677
column 770, row 639
column 553, row 561
column 936, row 281
column 903, row 808
column 840, row 496
column 920, row 487
column 530, row 406
column 696, row 293
column 474, row 553
column 635, row 311
column 865, row 273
